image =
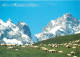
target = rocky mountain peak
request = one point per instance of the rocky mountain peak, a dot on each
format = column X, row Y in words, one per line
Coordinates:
column 65, row 25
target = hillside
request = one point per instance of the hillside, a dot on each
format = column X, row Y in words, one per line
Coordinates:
column 61, row 46
column 61, row 39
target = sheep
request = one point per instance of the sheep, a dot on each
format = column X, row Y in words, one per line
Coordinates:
column 78, row 45
column 74, row 47
column 53, row 46
column 19, row 45
column 73, row 53
column 31, row 44
column 69, row 43
column 26, row 44
column 37, row 47
column 16, row 49
column 43, row 48
column 75, row 44
column 8, row 44
column 52, row 51
column 67, row 46
column 49, row 45
column 60, row 52
column 69, row 55
column 74, row 56
column 77, row 41
column 56, row 46
column 11, row 44
column 10, row 47
column 3, row 44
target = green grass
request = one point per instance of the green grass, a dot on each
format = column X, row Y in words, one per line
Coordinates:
column 60, row 39
column 32, row 52
column 26, row 52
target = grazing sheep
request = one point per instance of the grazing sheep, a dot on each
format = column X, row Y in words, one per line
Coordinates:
column 26, row 44
column 65, row 44
column 16, row 49
column 75, row 44
column 52, row 51
column 78, row 45
column 60, row 52
column 74, row 56
column 69, row 55
column 19, row 45
column 49, row 45
column 77, row 41
column 43, row 48
column 53, row 46
column 13, row 44
column 3, row 44
column 10, row 47
column 10, row 44
column 74, row 47
column 37, row 47
column 68, row 46
column 56, row 46
column 73, row 53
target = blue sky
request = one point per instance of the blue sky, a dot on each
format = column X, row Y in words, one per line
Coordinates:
column 37, row 14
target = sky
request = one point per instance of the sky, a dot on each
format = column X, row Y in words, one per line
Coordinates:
column 37, row 14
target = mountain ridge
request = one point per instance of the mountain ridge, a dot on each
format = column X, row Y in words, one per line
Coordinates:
column 65, row 25
column 14, row 33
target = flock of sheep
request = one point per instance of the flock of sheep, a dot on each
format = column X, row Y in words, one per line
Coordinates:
column 73, row 45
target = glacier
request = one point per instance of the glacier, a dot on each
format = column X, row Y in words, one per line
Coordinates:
column 65, row 25
column 15, row 33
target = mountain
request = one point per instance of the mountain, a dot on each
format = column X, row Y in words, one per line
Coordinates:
column 65, row 25
column 14, row 34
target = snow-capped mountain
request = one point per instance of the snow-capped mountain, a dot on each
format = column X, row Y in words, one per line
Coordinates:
column 14, row 34
column 65, row 25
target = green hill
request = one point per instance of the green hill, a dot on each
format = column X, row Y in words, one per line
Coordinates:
column 29, row 51
column 61, row 39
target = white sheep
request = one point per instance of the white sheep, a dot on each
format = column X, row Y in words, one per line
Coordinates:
column 60, row 52
column 2, row 44
column 68, row 46
column 19, row 45
column 26, row 44
column 37, row 47
column 69, row 55
column 74, row 47
column 73, row 53
column 52, row 51
column 16, row 49
column 74, row 56
column 10, row 47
